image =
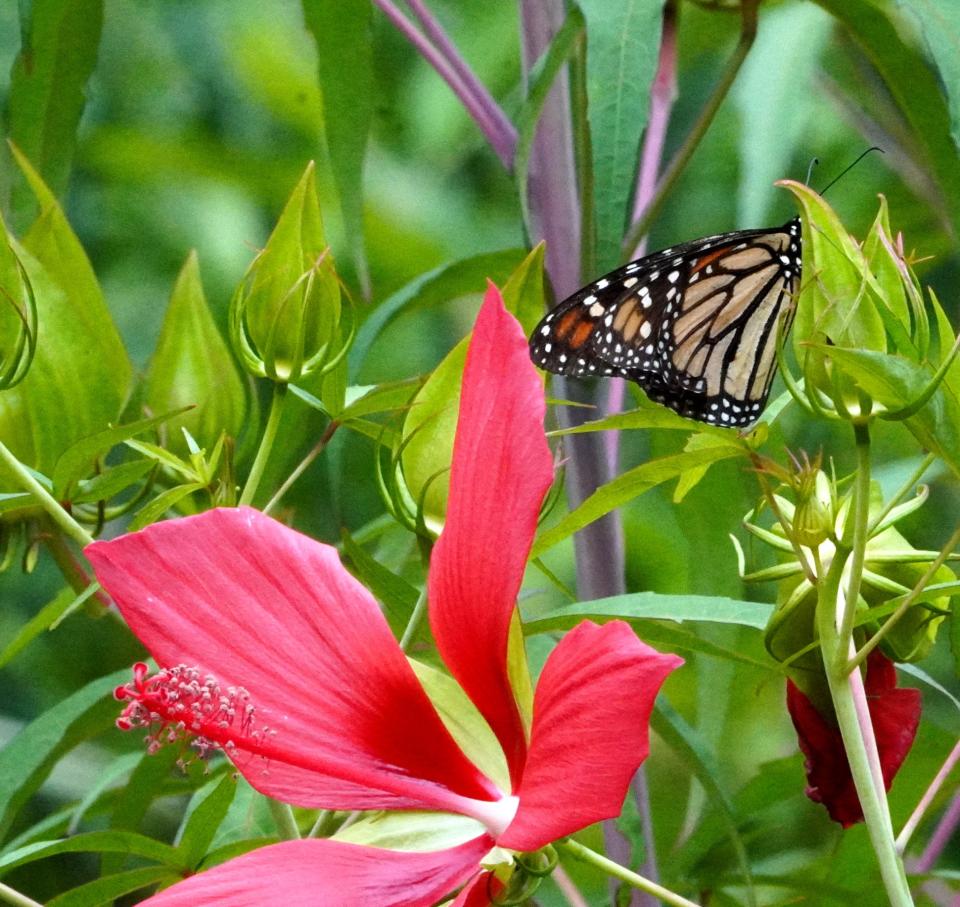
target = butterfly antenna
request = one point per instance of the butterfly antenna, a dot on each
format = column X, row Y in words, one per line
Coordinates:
column 814, row 162
column 850, row 167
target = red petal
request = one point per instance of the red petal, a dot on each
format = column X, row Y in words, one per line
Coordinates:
column 501, row 471
column 255, row 604
column 477, row 893
column 310, row 872
column 590, row 731
column 895, row 713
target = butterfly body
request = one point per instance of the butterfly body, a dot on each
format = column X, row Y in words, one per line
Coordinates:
column 694, row 325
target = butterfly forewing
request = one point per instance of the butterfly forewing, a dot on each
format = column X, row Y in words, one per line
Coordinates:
column 695, row 325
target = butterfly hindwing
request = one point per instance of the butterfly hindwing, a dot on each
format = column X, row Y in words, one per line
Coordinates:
column 694, row 325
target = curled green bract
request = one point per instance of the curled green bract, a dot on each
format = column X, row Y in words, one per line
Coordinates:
column 18, row 316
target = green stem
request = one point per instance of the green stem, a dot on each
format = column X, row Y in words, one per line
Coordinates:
column 73, row 572
column 43, row 497
column 875, row 813
column 576, row 850
column 302, row 465
column 905, row 489
column 910, row 598
column 11, row 896
column 748, row 32
column 416, row 619
column 857, row 524
column 266, row 444
column 283, row 816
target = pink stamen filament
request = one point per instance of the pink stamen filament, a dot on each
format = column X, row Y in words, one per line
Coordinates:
column 179, row 704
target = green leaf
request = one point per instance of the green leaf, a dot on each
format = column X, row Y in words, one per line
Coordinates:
column 895, row 381
column 29, row 757
column 683, row 740
column 210, row 811
column 48, row 616
column 941, row 30
column 625, row 487
column 523, row 294
column 192, row 365
column 162, row 503
column 111, row 481
column 379, row 398
column 397, row 595
column 77, row 460
column 777, row 75
column 106, row 890
column 127, row 843
column 657, row 631
column 653, row 605
column 345, row 66
column 144, row 786
column 46, row 98
column 80, row 374
column 428, row 432
column 648, row 416
column 623, row 45
column 469, row 275
column 914, row 89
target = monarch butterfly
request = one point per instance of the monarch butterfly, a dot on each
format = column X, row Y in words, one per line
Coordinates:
column 694, row 325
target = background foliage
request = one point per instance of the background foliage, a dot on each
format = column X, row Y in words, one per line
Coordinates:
column 181, row 126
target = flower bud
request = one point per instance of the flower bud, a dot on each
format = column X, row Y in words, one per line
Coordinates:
column 862, row 332
column 192, row 365
column 285, row 315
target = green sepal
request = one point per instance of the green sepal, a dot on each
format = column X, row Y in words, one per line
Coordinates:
column 192, row 365
column 18, row 315
column 80, row 375
column 428, row 432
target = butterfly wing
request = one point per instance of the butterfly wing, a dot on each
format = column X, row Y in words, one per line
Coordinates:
column 695, row 325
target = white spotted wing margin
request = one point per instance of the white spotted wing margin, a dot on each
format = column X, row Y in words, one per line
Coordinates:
column 694, row 325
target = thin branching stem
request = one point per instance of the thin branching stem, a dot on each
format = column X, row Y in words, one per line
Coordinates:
column 497, row 129
column 748, row 33
column 25, row 479
column 266, row 444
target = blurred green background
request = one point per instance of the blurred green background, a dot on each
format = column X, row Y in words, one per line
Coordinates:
column 201, row 116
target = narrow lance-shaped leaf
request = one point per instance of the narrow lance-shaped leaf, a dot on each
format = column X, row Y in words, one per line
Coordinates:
column 47, row 84
column 623, row 44
column 341, row 29
column 193, row 366
column 941, row 31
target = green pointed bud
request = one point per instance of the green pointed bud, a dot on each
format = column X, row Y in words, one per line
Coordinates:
column 862, row 333
column 80, row 377
column 285, row 315
column 18, row 315
column 192, row 365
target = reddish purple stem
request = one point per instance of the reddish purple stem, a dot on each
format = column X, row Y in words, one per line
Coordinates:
column 452, row 68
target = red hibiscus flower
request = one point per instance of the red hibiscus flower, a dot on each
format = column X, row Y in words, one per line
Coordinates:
column 895, row 713
column 269, row 650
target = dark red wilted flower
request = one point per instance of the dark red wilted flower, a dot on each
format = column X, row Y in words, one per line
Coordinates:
column 269, row 650
column 895, row 713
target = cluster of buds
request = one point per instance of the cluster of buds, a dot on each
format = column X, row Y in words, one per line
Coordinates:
column 285, row 315
column 862, row 334
column 810, row 516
